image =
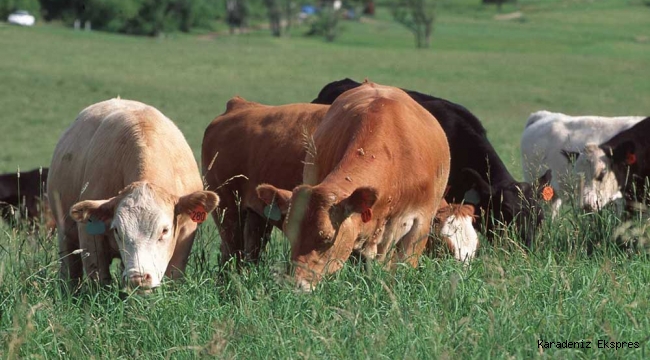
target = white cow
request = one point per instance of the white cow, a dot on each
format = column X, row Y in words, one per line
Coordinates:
column 552, row 140
column 123, row 183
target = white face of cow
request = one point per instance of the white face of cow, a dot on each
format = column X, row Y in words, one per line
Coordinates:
column 600, row 184
column 460, row 236
column 142, row 220
column 143, row 229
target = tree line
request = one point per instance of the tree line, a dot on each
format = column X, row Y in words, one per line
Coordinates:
column 157, row 17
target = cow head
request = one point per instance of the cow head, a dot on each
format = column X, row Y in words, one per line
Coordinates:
column 515, row 203
column 601, row 186
column 454, row 224
column 321, row 224
column 144, row 220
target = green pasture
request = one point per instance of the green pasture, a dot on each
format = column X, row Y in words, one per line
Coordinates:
column 572, row 56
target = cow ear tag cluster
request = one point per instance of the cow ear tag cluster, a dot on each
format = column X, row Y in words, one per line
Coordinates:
column 630, row 158
column 95, row 226
column 272, row 212
column 198, row 215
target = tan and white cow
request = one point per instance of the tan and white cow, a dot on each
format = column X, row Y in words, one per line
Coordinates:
column 373, row 184
column 123, row 183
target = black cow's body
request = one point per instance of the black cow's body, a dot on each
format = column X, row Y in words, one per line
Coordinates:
column 24, row 193
column 474, row 163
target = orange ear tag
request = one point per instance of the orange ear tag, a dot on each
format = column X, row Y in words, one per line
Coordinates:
column 547, row 193
column 630, row 158
column 366, row 215
column 198, row 215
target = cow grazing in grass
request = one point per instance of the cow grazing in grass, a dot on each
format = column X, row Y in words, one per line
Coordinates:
column 454, row 226
column 555, row 140
column 477, row 174
column 21, row 196
column 252, row 144
column 373, row 182
column 123, row 183
column 248, row 145
column 626, row 156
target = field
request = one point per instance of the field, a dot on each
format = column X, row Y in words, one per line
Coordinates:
column 573, row 56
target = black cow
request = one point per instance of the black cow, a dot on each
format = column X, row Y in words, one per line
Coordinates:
column 22, row 193
column 628, row 154
column 477, row 175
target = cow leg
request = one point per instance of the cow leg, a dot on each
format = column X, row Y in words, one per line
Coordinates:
column 178, row 262
column 257, row 231
column 230, row 230
column 98, row 260
column 410, row 247
column 71, row 269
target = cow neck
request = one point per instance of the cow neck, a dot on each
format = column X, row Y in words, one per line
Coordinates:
column 490, row 164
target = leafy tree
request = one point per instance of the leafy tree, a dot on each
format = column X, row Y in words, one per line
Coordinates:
column 417, row 16
column 275, row 16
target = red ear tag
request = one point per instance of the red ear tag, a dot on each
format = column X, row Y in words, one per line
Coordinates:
column 198, row 215
column 547, row 193
column 630, row 158
column 366, row 215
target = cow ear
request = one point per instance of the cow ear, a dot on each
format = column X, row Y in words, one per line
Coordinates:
column 90, row 210
column 199, row 203
column 361, row 201
column 270, row 195
column 543, row 186
column 624, row 153
column 571, row 156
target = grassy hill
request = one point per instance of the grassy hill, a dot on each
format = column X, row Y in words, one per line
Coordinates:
column 572, row 56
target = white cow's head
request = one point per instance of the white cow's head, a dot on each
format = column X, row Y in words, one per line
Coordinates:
column 454, row 224
column 600, row 183
column 144, row 220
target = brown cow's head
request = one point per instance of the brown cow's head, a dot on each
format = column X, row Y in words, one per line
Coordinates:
column 322, row 225
column 145, row 220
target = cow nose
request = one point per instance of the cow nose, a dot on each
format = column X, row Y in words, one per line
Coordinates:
column 140, row 280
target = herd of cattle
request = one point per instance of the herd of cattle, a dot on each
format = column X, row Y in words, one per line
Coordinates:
column 365, row 168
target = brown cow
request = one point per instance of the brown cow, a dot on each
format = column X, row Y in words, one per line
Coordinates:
column 132, row 188
column 251, row 144
column 248, row 145
column 376, row 178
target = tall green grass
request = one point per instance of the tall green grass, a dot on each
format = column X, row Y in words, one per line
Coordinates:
column 579, row 282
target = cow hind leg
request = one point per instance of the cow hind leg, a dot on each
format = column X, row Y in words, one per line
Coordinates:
column 410, row 247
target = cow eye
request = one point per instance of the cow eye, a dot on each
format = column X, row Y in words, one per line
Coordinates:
column 601, row 175
column 165, row 231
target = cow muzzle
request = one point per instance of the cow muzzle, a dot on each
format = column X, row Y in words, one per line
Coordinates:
column 142, row 281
